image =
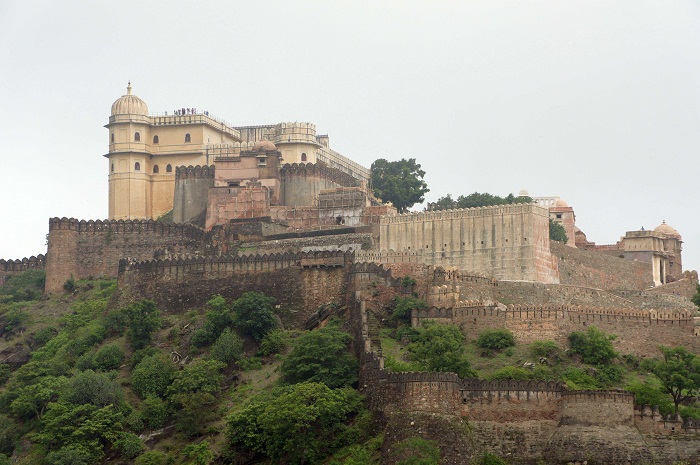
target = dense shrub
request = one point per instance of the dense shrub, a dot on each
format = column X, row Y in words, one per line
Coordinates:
column 302, row 423
column 274, row 342
column 547, row 349
column 152, row 376
column 21, row 287
column 109, row 357
column 511, row 372
column 594, row 346
column 254, row 314
column 321, row 356
column 142, row 320
column 404, row 305
column 438, row 347
column 495, row 339
column 154, row 412
column 228, row 347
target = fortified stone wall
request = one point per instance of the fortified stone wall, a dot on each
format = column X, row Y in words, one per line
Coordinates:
column 600, row 270
column 505, row 241
column 303, row 182
column 352, row 241
column 82, row 248
column 192, row 185
column 523, row 422
column 11, row 267
column 299, row 282
column 638, row 332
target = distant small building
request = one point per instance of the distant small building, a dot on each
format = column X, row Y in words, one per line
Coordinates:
column 660, row 247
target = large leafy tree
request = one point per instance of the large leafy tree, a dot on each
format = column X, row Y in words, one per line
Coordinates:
column 254, row 314
column 557, row 232
column 302, row 423
column 594, row 346
column 321, row 356
column 143, row 321
column 476, row 200
column 679, row 372
column 439, row 347
column 399, row 182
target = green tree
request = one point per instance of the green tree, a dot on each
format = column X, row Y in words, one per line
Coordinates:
column 152, row 376
column 477, row 200
column 295, row 424
column 218, row 318
column 154, row 412
column 438, row 347
column 254, row 314
column 404, row 305
column 594, row 346
column 31, row 400
column 192, row 394
column 88, row 387
column 198, row 454
column 274, row 342
column 152, row 457
column 679, row 373
column 109, row 357
column 321, row 356
column 399, row 182
column 228, row 347
column 143, row 320
column 557, row 232
column 495, row 339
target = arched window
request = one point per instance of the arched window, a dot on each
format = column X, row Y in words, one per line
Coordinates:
column 112, row 137
column 188, row 138
column 155, row 169
column 155, row 139
column 112, row 167
column 137, row 137
column 303, row 157
column 137, row 165
column 169, row 169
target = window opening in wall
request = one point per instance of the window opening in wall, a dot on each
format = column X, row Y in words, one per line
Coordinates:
column 558, row 216
column 169, row 169
column 155, row 139
column 303, row 157
column 137, row 166
column 112, row 137
column 234, row 184
column 137, row 137
column 188, row 138
column 112, row 167
column 155, row 169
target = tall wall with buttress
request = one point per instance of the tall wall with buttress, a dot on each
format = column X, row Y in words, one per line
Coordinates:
column 504, row 242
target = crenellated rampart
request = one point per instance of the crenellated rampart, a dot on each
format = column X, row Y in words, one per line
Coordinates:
column 318, row 170
column 299, row 282
column 637, row 331
column 193, row 172
column 81, row 248
column 10, row 267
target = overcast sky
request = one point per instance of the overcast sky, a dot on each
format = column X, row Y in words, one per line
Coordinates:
column 597, row 102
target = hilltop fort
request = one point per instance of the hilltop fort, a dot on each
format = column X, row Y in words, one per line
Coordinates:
column 273, row 208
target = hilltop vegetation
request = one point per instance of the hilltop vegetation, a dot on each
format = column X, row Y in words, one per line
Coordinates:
column 227, row 384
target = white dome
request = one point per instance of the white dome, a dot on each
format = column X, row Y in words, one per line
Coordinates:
column 129, row 105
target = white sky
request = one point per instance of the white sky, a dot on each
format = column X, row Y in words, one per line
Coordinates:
column 597, row 102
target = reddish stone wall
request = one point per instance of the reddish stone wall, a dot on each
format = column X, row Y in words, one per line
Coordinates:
column 638, row 332
column 599, row 270
column 300, row 283
column 82, row 248
column 10, row 267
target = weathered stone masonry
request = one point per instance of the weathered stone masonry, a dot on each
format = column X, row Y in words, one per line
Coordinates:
column 94, row 248
column 505, row 241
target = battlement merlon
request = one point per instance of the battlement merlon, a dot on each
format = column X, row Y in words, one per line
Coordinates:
column 467, row 213
column 156, row 120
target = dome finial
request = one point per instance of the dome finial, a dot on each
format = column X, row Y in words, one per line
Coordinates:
column 128, row 88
